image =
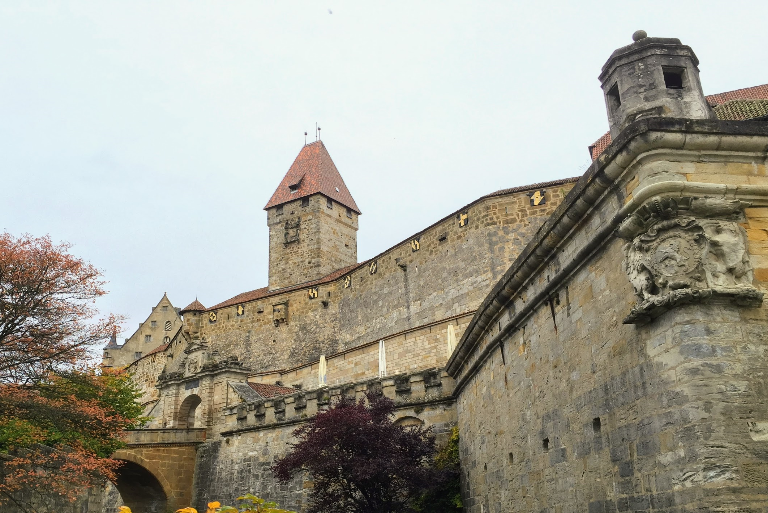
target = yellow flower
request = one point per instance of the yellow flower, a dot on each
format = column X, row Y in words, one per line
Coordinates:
column 212, row 506
column 186, row 510
column 125, row 509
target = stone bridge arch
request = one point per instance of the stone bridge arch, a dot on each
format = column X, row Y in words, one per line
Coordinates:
column 159, row 469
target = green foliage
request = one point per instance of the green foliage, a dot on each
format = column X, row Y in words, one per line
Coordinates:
column 447, row 496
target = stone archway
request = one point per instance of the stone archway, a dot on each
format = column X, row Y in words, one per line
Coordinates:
column 189, row 414
column 140, row 489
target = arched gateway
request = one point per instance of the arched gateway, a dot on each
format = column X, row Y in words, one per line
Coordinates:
column 158, row 469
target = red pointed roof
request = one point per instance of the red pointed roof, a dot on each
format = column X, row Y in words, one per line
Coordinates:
column 194, row 306
column 313, row 172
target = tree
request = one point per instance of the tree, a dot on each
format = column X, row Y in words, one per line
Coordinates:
column 46, row 309
column 60, row 418
column 360, row 461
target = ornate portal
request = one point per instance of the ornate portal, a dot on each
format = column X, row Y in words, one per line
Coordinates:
column 686, row 250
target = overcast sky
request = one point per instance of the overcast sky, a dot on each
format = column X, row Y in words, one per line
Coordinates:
column 150, row 135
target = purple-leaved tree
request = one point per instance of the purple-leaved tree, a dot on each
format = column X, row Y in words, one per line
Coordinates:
column 361, row 461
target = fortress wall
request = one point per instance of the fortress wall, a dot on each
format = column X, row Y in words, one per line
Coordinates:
column 259, row 433
column 561, row 405
column 442, row 279
column 421, row 348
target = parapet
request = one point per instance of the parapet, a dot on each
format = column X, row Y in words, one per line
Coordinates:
column 411, row 390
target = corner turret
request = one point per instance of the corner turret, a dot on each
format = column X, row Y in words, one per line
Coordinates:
column 652, row 77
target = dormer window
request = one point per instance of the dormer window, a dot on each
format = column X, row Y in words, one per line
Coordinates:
column 294, row 187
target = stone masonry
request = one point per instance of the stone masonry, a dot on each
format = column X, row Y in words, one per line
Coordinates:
column 599, row 342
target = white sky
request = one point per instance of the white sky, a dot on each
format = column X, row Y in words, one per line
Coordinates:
column 151, row 134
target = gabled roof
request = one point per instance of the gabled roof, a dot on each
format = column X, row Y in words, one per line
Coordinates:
column 313, row 172
column 194, row 306
column 725, row 105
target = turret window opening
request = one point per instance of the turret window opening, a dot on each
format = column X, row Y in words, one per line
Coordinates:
column 673, row 77
column 614, row 100
column 304, row 202
column 349, row 213
column 329, row 202
column 279, row 210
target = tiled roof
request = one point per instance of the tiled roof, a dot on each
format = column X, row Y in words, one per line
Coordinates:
column 194, row 306
column 741, row 109
column 268, row 391
column 313, row 172
column 749, row 93
column 722, row 111
column 158, row 349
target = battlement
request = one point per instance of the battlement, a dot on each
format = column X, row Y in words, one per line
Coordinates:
column 413, row 391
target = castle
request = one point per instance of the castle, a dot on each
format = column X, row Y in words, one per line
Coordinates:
column 598, row 340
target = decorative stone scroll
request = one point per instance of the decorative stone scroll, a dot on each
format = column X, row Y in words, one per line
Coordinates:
column 686, row 250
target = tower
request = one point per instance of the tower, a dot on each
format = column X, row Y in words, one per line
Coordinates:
column 312, row 221
column 652, row 77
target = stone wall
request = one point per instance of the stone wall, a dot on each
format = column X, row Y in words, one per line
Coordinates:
column 259, row 433
column 449, row 275
column 309, row 240
column 588, row 383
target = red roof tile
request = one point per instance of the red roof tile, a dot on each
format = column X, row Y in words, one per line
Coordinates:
column 268, row 391
column 158, row 349
column 748, row 93
column 313, row 172
column 194, row 306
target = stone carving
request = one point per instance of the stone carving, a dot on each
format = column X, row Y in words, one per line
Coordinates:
column 677, row 254
column 292, row 228
column 280, row 313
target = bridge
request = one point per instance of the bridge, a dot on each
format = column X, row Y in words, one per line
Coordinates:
column 158, row 468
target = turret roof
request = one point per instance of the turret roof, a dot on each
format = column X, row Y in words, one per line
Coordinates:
column 194, row 306
column 313, row 172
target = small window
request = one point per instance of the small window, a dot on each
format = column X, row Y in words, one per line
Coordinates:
column 349, row 213
column 293, row 188
column 304, row 202
column 545, row 444
column 136, row 355
column 279, row 210
column 673, row 78
column 614, row 100
column 329, row 202
column 147, row 338
column 106, row 354
column 168, row 325
column 153, row 324
column 165, row 308
column 596, row 424
column 166, row 340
